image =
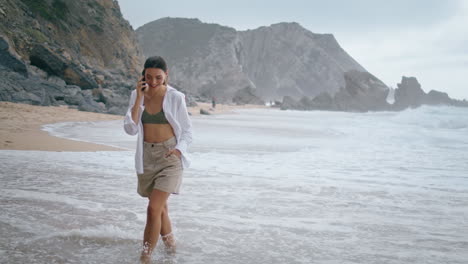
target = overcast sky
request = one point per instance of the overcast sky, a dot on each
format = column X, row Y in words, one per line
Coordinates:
column 427, row 39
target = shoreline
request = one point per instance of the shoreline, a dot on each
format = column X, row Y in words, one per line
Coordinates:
column 220, row 108
column 21, row 125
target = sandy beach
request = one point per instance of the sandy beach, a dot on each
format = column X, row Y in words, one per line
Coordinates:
column 20, row 125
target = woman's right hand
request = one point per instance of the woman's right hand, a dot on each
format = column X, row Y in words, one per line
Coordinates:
column 140, row 85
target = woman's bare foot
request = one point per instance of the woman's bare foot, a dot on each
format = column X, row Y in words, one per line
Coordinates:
column 145, row 257
column 169, row 242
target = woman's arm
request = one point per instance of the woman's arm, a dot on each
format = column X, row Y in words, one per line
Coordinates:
column 131, row 117
column 136, row 109
column 133, row 113
column 185, row 125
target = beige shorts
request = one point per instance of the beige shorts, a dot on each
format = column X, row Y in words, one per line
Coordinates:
column 160, row 172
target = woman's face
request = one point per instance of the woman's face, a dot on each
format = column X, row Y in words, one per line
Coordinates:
column 155, row 77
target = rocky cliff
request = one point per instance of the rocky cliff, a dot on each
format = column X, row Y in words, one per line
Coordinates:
column 81, row 53
column 362, row 92
column 201, row 57
column 286, row 59
column 213, row 60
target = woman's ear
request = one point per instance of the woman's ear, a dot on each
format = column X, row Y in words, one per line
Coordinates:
column 167, row 77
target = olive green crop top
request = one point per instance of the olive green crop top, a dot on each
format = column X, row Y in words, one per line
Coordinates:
column 158, row 118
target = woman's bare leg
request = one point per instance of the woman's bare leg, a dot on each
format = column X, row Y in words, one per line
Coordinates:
column 166, row 230
column 166, row 227
column 156, row 204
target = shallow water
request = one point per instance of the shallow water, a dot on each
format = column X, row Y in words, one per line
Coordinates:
column 265, row 186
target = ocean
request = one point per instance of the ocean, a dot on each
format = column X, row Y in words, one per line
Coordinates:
column 265, row 186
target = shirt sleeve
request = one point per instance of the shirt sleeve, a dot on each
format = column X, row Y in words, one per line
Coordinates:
column 129, row 125
column 185, row 126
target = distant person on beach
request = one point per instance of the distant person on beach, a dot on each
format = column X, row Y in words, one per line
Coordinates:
column 213, row 102
column 158, row 114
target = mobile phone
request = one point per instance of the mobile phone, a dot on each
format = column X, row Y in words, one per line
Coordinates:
column 143, row 73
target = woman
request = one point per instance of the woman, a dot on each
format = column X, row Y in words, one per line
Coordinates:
column 158, row 114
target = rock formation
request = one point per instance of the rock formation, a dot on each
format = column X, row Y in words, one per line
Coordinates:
column 213, row 60
column 410, row 95
column 53, row 51
column 364, row 92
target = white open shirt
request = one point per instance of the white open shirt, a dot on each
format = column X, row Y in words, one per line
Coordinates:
column 176, row 113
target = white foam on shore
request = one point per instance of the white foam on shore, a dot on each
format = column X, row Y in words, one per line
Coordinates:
column 92, row 132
